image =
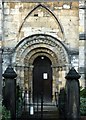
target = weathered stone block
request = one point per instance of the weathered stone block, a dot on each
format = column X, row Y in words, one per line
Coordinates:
column 12, row 5
column 6, row 11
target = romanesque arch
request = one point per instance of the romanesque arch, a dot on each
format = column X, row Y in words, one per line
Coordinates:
column 37, row 45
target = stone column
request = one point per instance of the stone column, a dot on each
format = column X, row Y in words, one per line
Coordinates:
column 18, row 73
column 22, row 77
column 60, row 78
column 63, row 76
column 72, row 95
column 54, row 83
column 26, row 72
column 10, row 90
column 31, row 81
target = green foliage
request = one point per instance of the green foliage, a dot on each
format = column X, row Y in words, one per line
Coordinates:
column 83, row 93
column 83, row 106
column 6, row 115
column 83, row 101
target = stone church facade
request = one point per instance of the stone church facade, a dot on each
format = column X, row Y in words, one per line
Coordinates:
column 53, row 30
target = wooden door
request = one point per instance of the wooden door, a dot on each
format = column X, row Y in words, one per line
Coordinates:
column 42, row 79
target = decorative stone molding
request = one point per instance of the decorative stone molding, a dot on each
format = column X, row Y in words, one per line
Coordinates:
column 41, row 52
column 36, row 45
column 41, row 41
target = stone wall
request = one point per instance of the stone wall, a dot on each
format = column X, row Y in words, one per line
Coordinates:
column 82, row 43
column 0, row 23
column 17, row 26
column 0, row 61
column 63, row 20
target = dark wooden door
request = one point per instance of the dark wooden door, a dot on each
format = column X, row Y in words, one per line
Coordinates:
column 42, row 79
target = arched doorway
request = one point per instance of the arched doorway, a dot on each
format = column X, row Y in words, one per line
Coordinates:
column 42, row 79
column 39, row 55
column 27, row 52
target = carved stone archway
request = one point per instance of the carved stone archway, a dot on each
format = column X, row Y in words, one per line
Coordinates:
column 36, row 45
column 29, row 59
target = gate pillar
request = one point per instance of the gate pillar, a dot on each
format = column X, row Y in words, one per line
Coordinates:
column 10, row 90
column 72, row 95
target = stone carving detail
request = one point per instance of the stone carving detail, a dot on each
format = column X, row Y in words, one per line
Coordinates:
column 39, row 40
column 42, row 51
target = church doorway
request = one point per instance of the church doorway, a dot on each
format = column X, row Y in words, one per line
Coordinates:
column 42, row 80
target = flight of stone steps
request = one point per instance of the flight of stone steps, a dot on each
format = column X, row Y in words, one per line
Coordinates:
column 49, row 112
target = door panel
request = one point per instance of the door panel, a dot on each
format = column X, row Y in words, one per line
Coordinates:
column 42, row 79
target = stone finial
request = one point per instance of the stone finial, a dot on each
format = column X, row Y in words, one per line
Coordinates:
column 72, row 74
column 9, row 73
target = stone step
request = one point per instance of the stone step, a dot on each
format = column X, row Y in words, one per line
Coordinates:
column 46, row 108
column 47, row 116
column 49, row 113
